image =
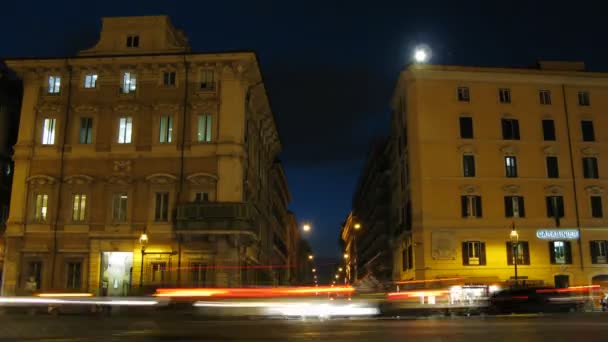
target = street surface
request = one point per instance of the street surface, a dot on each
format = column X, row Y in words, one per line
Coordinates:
column 559, row 327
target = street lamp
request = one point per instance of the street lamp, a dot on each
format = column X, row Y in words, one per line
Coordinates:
column 143, row 242
column 306, row 227
column 340, row 269
column 357, row 225
column 314, row 270
column 514, row 244
column 345, row 256
column 422, row 54
column 310, row 256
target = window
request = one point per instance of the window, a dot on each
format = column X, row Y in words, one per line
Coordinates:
column 552, row 169
column 463, row 94
column 74, row 275
column 133, row 41
column 207, row 80
column 201, row 197
column 129, row 83
column 545, row 97
column 470, row 206
column 588, row 131
column 473, row 253
column 90, row 81
column 583, row 98
column 520, row 250
column 41, row 207
column 468, row 165
column 514, row 206
column 504, row 95
column 166, row 129
column 204, row 128
column 560, row 252
column 169, row 78
column 466, row 127
column 48, row 131
column 510, row 129
column 79, row 207
column 35, row 272
column 119, row 207
column 197, row 273
column 125, row 128
column 555, row 206
column 548, row 130
column 410, row 257
column 161, row 208
column 596, row 207
column 599, row 251
column 158, row 271
column 511, row 166
column 590, row 169
column 54, row 84
column 86, row 130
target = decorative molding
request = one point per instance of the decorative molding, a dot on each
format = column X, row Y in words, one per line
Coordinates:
column 121, row 180
column 161, row 178
column 47, row 107
column 594, row 190
column 469, row 189
column 208, row 105
column 122, row 166
column 126, row 107
column 78, row 179
column 467, row 149
column 509, row 149
column 41, row 180
column 511, row 189
column 589, row 151
column 551, row 150
column 554, row 189
column 202, row 178
column 169, row 107
column 85, row 109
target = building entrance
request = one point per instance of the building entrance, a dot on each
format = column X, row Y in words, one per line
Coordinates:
column 116, row 273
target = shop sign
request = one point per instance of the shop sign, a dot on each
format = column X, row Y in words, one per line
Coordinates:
column 557, row 234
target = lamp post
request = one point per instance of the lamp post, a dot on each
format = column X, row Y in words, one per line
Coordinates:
column 356, row 226
column 143, row 241
column 514, row 244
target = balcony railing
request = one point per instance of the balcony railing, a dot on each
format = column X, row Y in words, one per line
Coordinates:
column 209, row 216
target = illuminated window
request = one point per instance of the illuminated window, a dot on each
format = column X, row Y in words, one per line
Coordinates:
column 90, row 81
column 169, row 78
column 510, row 129
column 48, row 131
column 504, row 95
column 473, row 253
column 129, row 83
column 599, row 251
column 590, row 169
column 471, row 206
column 41, row 207
column 583, row 98
column 166, row 129
column 207, row 80
column 119, row 207
column 73, row 275
column 35, row 271
column 86, row 130
column 514, row 206
column 519, row 250
column 204, row 128
column 54, row 84
column 158, row 271
column 463, row 94
column 511, row 166
column 161, row 208
column 133, row 41
column 545, row 97
column 596, row 207
column 125, row 129
column 79, row 207
column 560, row 252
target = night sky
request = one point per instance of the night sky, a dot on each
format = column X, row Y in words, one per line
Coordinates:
column 330, row 66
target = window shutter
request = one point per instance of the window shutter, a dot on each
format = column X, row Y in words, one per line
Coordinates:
column 482, row 254
column 505, row 129
column 549, row 207
column 465, row 253
column 560, row 206
column 568, row 250
column 526, row 249
column 472, row 166
column 593, row 249
column 478, row 206
column 520, row 203
column 463, row 208
column 509, row 253
column 508, row 206
column 516, row 129
column 551, row 252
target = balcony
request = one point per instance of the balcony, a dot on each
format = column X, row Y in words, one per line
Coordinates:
column 201, row 217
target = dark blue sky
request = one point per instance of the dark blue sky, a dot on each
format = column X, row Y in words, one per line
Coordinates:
column 330, row 65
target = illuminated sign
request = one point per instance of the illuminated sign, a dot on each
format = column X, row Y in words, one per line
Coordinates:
column 557, row 234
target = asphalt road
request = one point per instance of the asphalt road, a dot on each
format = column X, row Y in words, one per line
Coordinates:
column 562, row 327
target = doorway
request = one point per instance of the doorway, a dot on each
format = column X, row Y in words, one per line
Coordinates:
column 562, row 281
column 116, row 273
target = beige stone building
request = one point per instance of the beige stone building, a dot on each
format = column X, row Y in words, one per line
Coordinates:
column 140, row 135
column 479, row 151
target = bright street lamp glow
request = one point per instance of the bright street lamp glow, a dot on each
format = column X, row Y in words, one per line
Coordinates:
column 357, row 225
column 314, row 270
column 340, row 269
column 420, row 55
column 337, row 276
column 306, row 227
column 310, row 257
column 345, row 256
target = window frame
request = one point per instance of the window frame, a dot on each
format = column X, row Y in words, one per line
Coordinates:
column 90, row 81
column 471, row 206
column 523, row 258
column 79, row 212
column 584, row 98
column 161, row 206
column 128, row 82
column 561, row 210
column 53, row 85
column 118, row 197
column 466, row 126
column 207, row 83
column 511, row 166
column 474, row 253
column 549, row 133
column 204, row 128
column 48, row 133
column 128, row 130
column 596, row 206
column 596, row 256
column 463, row 94
column 504, row 95
column 549, row 168
column 590, row 168
column 165, row 123
column 544, row 96
column 41, row 207
column 132, row 41
column 587, row 131
column 466, row 167
column 169, row 78
column 566, row 258
column 88, row 131
column 510, row 129
column 76, row 279
column 514, row 206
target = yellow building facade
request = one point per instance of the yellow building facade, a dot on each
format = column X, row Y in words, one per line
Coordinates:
column 483, row 151
column 139, row 135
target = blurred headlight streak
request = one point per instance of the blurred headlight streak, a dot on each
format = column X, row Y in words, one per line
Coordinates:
column 253, row 292
column 299, row 309
column 8, row 301
column 64, row 295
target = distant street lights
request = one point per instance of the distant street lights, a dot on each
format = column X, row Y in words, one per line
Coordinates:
column 306, row 227
column 345, row 256
column 310, row 256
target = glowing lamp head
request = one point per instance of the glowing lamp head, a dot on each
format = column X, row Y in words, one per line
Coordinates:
column 420, row 56
column 314, row 270
column 143, row 239
column 340, row 269
column 306, row 227
column 345, row 256
column 514, row 235
column 357, row 226
column 310, row 257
